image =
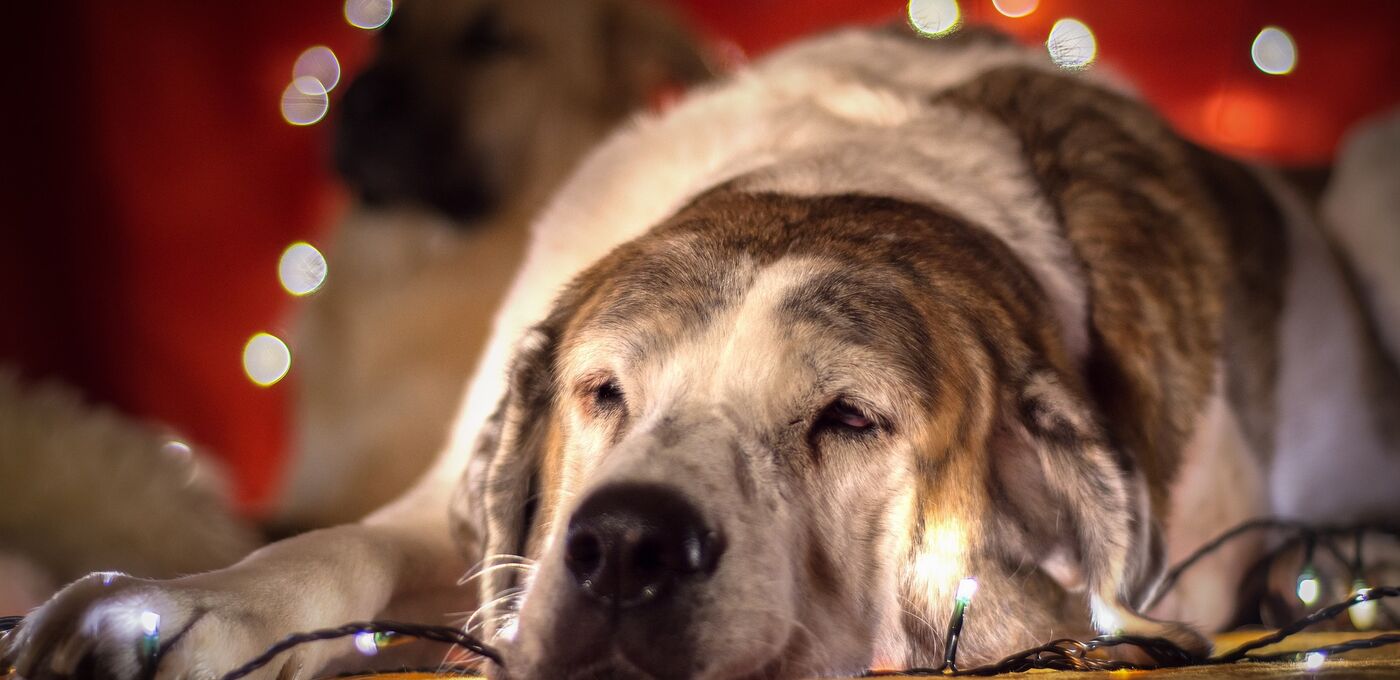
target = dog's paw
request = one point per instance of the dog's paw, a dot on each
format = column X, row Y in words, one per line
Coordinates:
column 114, row 627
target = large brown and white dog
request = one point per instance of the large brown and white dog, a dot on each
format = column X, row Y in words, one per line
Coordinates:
column 875, row 315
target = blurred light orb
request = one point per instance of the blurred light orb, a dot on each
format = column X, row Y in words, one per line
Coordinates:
column 318, row 62
column 176, row 449
column 1071, row 44
column 368, row 14
column 1363, row 614
column 1015, row 8
column 934, row 18
column 304, row 102
column 1274, row 51
column 1314, row 661
column 266, row 359
column 302, row 269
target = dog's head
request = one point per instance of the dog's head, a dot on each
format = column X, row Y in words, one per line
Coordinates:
column 771, row 436
column 469, row 103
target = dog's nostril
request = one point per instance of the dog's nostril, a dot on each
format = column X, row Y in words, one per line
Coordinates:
column 629, row 544
column 583, row 553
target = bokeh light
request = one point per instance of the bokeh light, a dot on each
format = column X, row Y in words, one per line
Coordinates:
column 934, row 18
column 177, row 449
column 318, row 62
column 1274, row 51
column 150, row 623
column 1314, row 661
column 1015, row 8
column 368, row 14
column 1363, row 614
column 304, row 102
column 1071, row 44
column 366, row 644
column 302, row 269
column 266, row 359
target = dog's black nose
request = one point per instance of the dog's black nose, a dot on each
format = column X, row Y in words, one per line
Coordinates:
column 629, row 544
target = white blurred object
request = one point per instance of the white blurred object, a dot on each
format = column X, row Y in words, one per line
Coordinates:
column 1361, row 208
column 87, row 489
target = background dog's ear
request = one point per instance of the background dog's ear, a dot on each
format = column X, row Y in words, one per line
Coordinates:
column 1101, row 538
column 648, row 52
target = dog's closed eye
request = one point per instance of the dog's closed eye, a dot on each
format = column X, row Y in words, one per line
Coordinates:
column 602, row 396
column 843, row 417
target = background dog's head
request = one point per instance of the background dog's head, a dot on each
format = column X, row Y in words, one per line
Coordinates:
column 470, row 103
column 771, row 436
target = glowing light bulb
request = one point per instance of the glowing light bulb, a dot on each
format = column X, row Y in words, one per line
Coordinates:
column 1274, row 51
column 1363, row 614
column 266, row 359
column 305, row 102
column 368, row 14
column 302, row 269
column 934, row 18
column 1015, row 8
column 1071, row 44
column 1314, row 661
column 150, row 623
column 318, row 62
column 1308, row 586
column 966, row 589
column 366, row 644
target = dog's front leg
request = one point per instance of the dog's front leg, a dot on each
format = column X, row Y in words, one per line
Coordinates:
column 201, row 626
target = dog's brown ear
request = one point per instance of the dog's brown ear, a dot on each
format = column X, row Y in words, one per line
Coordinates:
column 648, row 50
column 1100, row 534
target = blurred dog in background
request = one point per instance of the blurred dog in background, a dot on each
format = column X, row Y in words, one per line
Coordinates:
column 462, row 125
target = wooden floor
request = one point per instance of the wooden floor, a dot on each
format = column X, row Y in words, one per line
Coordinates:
column 1371, row 664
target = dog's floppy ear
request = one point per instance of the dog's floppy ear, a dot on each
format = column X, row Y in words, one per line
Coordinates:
column 496, row 500
column 1098, row 528
column 647, row 51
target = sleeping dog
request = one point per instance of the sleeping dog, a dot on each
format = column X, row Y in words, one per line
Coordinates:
column 788, row 362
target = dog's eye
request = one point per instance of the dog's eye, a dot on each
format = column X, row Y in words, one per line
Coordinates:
column 843, row 416
column 607, row 395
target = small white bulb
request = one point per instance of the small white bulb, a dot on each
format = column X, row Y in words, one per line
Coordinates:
column 150, row 623
column 1314, row 661
column 966, row 589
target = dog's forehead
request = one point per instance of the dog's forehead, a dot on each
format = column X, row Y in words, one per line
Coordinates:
column 752, row 287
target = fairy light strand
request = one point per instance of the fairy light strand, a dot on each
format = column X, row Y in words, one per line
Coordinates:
column 1064, row 654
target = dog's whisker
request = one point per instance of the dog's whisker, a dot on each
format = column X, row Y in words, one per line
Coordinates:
column 491, row 561
column 490, row 606
column 521, row 566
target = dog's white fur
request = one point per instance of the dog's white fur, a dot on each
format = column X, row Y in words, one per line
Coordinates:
column 797, row 108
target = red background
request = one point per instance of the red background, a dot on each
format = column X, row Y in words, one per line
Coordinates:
column 151, row 183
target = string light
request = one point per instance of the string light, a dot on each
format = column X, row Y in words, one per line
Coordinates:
column 1308, row 586
column 266, row 359
column 934, row 18
column 366, row 644
column 318, row 62
column 150, row 633
column 368, row 14
column 1363, row 615
column 305, row 101
column 966, row 589
column 1071, row 44
column 1314, row 661
column 301, row 269
column 1274, row 51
